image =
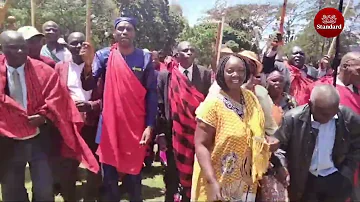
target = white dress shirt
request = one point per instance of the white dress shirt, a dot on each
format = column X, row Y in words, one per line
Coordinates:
column 21, row 71
column 75, row 85
column 190, row 70
column 321, row 162
column 63, row 55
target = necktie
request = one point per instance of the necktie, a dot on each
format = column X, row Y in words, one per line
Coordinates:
column 186, row 73
column 16, row 90
column 356, row 90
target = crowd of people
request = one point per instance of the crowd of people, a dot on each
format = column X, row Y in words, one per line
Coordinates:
column 267, row 128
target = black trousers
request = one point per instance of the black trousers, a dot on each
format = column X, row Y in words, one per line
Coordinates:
column 332, row 188
column 171, row 179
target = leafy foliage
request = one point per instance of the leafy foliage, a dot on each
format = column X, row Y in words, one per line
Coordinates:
column 158, row 26
column 203, row 38
column 316, row 46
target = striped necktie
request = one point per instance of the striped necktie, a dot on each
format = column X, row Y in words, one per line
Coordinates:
column 16, row 91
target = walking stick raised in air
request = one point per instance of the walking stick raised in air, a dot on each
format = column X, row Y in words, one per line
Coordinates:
column 336, row 58
column 4, row 6
column 88, row 20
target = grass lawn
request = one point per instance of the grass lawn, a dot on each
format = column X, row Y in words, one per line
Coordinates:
column 152, row 189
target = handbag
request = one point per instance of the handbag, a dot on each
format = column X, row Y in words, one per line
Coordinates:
column 271, row 189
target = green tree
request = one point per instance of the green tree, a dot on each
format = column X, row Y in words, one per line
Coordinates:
column 158, row 26
column 70, row 15
column 202, row 36
column 314, row 45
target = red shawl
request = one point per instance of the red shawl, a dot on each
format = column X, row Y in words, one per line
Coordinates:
column 123, row 117
column 347, row 97
column 184, row 99
column 300, row 87
column 47, row 97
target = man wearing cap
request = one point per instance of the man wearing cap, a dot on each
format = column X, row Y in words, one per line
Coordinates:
column 34, row 40
column 129, row 107
column 53, row 49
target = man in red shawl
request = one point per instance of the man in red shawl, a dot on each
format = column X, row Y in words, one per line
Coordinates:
column 347, row 84
column 89, row 105
column 181, row 90
column 31, row 100
column 129, row 108
column 298, row 76
column 158, row 64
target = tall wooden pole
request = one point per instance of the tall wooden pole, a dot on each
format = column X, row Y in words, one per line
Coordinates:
column 3, row 10
column 336, row 61
column 33, row 9
column 88, row 20
column 331, row 49
column 282, row 19
column 220, row 39
column 218, row 43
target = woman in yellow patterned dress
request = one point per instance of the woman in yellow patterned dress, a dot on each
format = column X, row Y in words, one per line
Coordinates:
column 232, row 152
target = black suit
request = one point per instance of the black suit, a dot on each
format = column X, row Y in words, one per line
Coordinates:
column 201, row 79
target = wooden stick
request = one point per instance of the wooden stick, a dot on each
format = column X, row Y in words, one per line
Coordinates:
column 282, row 19
column 332, row 46
column 3, row 11
column 33, row 9
column 220, row 39
column 336, row 61
column 88, row 20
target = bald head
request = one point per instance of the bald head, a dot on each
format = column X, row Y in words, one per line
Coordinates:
column 9, row 37
column 51, row 32
column 75, row 35
column 51, row 24
column 324, row 101
column 325, row 94
column 348, row 57
column 349, row 72
column 14, row 48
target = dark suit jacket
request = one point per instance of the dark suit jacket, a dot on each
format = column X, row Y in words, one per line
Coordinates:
column 201, row 79
column 298, row 138
column 92, row 118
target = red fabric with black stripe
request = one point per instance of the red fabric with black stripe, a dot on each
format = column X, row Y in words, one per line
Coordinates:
column 184, row 99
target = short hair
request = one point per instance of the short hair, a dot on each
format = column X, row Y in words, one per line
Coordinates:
column 328, row 94
column 220, row 79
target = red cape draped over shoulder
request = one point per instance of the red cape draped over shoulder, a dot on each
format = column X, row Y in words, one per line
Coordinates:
column 47, row 97
column 184, row 99
column 123, row 117
column 347, row 97
column 300, row 87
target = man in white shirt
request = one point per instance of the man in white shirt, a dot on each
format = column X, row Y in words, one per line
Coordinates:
column 322, row 145
column 34, row 148
column 88, row 103
column 52, row 48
